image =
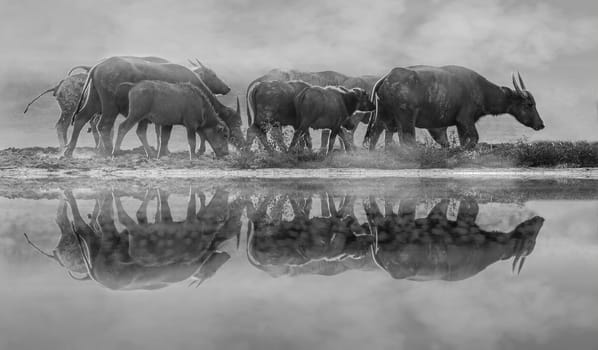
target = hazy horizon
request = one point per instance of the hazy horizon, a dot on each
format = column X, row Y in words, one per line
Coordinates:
column 553, row 45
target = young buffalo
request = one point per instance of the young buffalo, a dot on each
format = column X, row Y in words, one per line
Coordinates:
column 170, row 104
column 329, row 108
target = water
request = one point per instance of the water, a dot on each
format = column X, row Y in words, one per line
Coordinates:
column 294, row 264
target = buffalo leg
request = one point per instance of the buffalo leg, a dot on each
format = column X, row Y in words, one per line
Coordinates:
column 324, row 204
column 106, row 222
column 79, row 124
column 93, row 126
column 438, row 214
column 468, row 211
column 333, row 134
column 307, row 141
column 372, row 211
column 252, row 131
column 388, row 139
column 158, row 130
column 439, row 135
column 123, row 129
column 407, row 123
column 78, row 223
column 346, row 137
column 106, row 125
column 374, row 134
column 325, row 140
column 164, row 212
column 202, row 143
column 164, row 138
column 297, row 135
column 388, row 206
column 406, row 212
column 87, row 112
column 468, row 135
column 192, row 142
column 123, row 216
column 191, row 206
column 82, row 118
column 142, row 135
column 61, row 129
column 142, row 211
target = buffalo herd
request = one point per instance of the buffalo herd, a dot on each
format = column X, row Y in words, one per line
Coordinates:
column 154, row 90
column 124, row 252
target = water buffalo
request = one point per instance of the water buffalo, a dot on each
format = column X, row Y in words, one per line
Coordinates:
column 148, row 255
column 67, row 93
column 327, row 244
column 436, row 248
column 272, row 104
column 324, row 78
column 105, row 77
column 168, row 104
column 438, row 97
column 329, row 108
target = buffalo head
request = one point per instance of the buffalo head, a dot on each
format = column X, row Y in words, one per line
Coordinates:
column 212, row 81
column 232, row 118
column 363, row 100
column 217, row 136
column 522, row 106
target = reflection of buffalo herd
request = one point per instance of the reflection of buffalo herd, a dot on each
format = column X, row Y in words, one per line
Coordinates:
column 154, row 90
column 283, row 238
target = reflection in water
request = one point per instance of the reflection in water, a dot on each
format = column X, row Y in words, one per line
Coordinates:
column 417, row 249
column 437, row 248
column 327, row 244
column 146, row 255
column 286, row 236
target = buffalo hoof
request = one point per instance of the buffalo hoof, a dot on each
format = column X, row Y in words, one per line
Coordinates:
column 66, row 154
column 115, row 153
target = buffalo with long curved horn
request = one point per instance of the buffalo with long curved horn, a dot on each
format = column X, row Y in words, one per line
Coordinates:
column 438, row 97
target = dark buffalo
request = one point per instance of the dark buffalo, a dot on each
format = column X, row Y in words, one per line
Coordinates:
column 329, row 108
column 438, row 97
column 67, row 93
column 168, row 104
column 146, row 255
column 436, row 248
column 326, row 244
column 151, row 255
column 105, row 77
column 324, row 78
column 273, row 105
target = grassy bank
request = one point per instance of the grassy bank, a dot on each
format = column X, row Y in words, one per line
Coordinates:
column 506, row 155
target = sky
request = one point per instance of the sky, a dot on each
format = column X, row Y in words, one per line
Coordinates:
column 553, row 44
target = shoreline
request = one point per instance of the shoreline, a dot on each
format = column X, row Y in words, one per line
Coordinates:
column 297, row 173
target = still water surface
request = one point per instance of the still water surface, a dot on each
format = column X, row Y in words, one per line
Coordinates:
column 377, row 264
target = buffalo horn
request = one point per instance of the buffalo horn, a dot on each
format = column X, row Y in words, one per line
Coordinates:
column 521, row 81
column 200, row 64
column 517, row 88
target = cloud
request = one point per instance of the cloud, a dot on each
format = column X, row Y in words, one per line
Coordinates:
column 497, row 34
column 242, row 39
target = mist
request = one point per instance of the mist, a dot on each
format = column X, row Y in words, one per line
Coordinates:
column 554, row 45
